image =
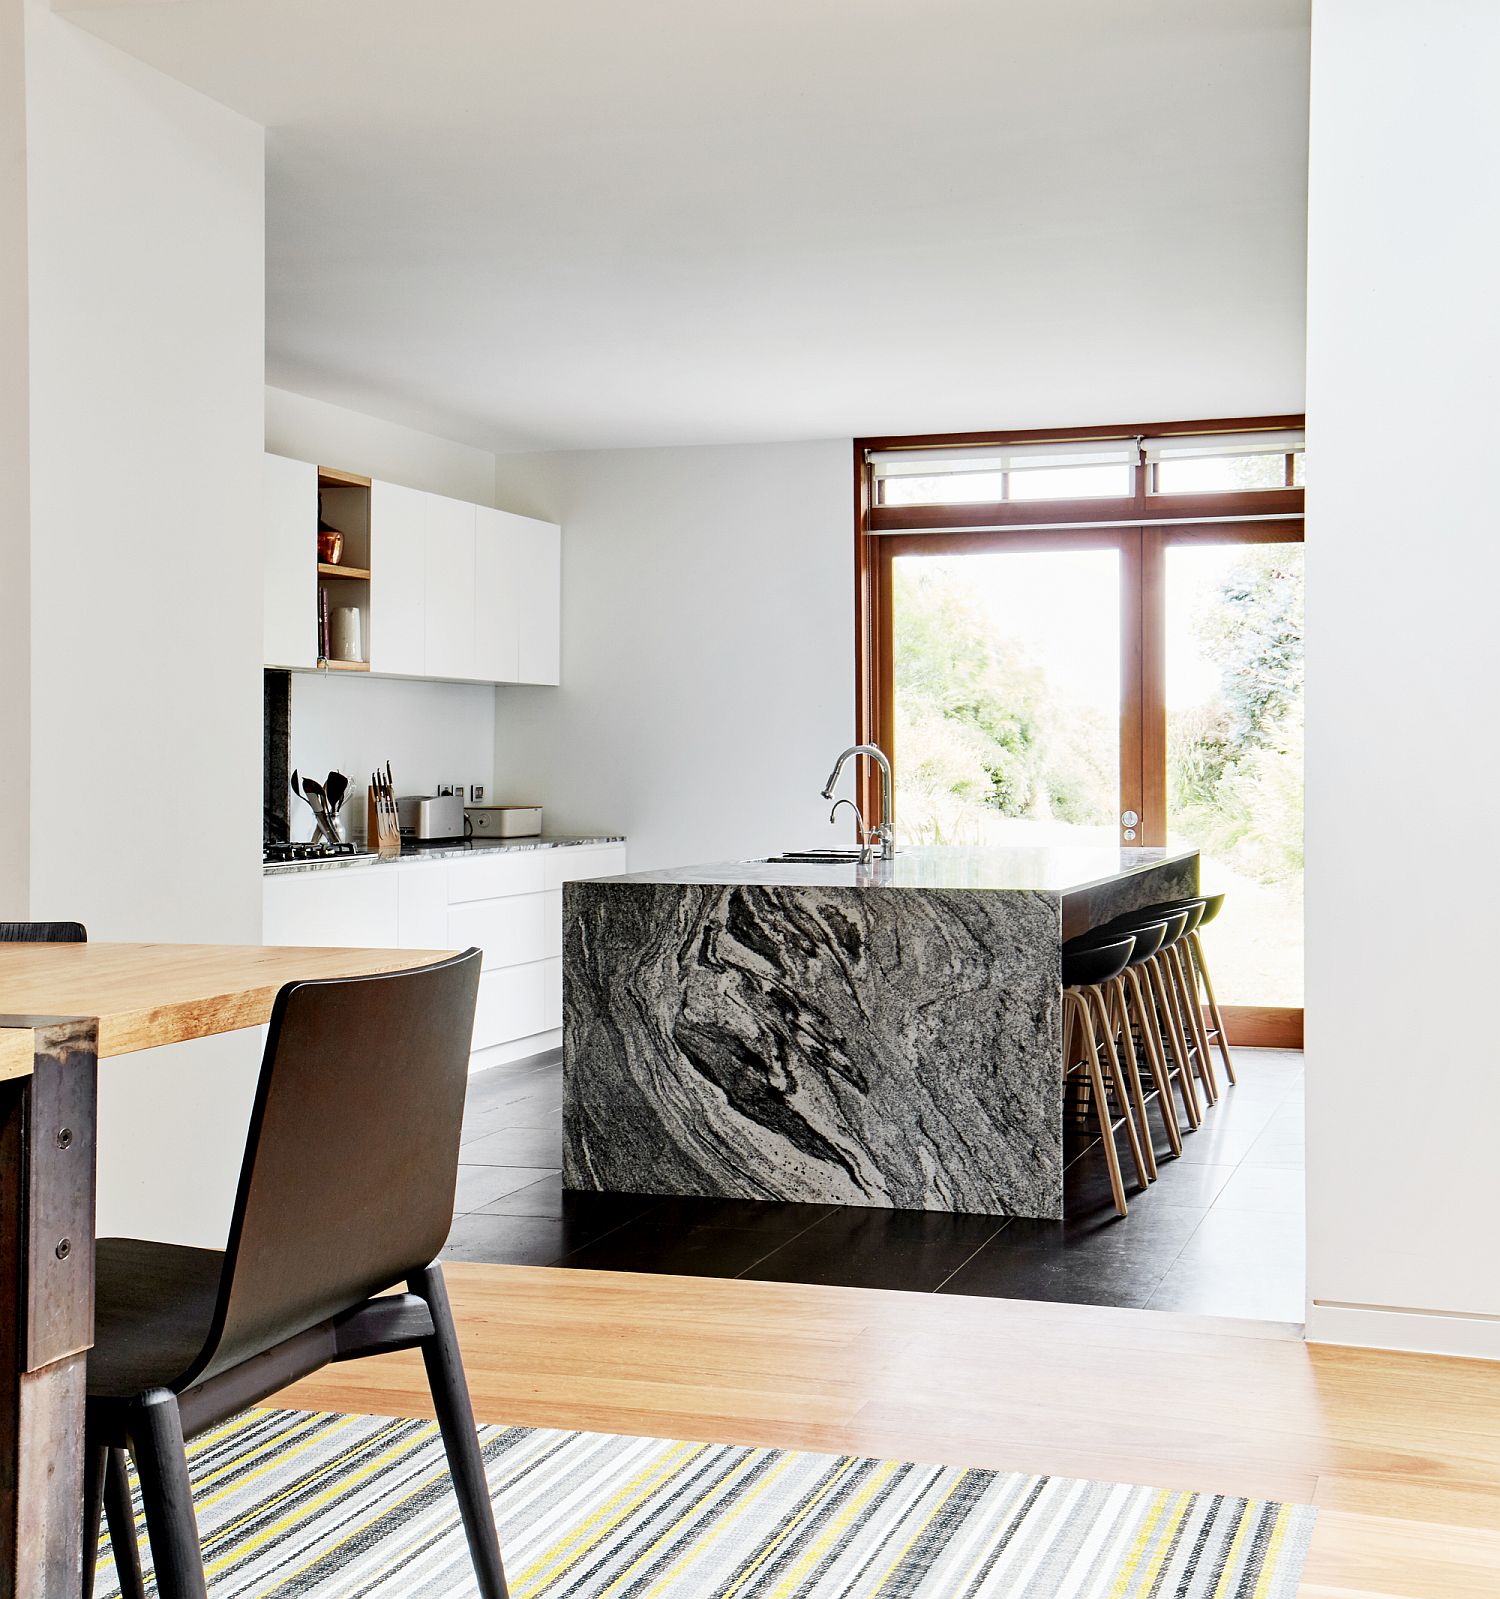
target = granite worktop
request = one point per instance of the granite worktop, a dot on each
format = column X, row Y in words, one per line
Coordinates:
column 453, row 849
column 1039, row 869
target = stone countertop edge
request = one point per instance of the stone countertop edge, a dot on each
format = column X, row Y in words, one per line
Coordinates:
column 1012, row 869
column 443, row 852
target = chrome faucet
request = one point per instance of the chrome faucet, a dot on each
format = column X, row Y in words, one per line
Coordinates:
column 887, row 828
column 861, row 832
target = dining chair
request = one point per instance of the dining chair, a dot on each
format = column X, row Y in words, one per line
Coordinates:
column 346, row 1190
column 43, row 933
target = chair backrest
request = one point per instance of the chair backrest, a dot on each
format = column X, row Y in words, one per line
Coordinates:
column 43, row 933
column 351, row 1162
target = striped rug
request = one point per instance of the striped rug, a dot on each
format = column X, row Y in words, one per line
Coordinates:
column 297, row 1503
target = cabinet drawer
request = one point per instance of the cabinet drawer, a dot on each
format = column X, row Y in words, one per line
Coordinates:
column 510, row 931
column 512, row 1004
column 491, row 877
column 422, row 905
column 584, row 860
column 350, row 906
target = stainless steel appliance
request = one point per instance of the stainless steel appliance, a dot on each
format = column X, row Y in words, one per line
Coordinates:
column 505, row 821
column 426, row 817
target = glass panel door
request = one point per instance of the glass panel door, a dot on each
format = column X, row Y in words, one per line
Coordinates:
column 1007, row 696
column 1234, row 753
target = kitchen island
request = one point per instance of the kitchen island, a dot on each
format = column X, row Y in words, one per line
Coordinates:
column 886, row 1034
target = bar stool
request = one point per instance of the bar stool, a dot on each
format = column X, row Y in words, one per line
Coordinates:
column 1184, row 988
column 1161, row 1003
column 1134, row 1015
column 1198, row 968
column 1083, row 973
column 1180, row 995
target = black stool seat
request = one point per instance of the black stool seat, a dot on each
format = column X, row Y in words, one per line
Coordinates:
column 1212, row 905
column 1100, row 963
column 154, row 1306
column 1173, row 918
column 1149, row 938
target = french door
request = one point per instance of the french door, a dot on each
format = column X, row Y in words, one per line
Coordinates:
column 1132, row 684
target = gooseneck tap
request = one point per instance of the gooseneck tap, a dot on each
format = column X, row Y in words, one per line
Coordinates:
column 865, row 837
column 887, row 828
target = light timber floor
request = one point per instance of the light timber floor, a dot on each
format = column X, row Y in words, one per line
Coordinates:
column 1402, row 1452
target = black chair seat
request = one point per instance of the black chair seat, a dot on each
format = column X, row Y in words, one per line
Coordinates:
column 43, row 933
column 1100, row 963
column 153, row 1308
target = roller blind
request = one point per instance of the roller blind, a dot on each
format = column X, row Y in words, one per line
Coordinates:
column 1197, row 446
column 1002, row 458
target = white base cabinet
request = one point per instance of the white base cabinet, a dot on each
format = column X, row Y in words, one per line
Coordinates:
column 507, row 903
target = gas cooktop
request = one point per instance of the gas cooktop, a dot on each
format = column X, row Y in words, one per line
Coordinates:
column 285, row 852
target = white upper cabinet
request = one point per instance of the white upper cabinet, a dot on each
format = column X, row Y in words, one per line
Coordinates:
column 290, row 503
column 539, row 582
column 446, row 589
column 450, row 589
column 497, row 597
column 398, row 579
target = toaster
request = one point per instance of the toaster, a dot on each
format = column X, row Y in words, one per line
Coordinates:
column 431, row 816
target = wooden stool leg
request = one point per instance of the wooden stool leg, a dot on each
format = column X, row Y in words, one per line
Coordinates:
column 1181, row 1040
column 1101, row 1104
column 1187, row 999
column 1171, row 1034
column 1112, row 1015
column 1213, row 1006
column 1145, row 1016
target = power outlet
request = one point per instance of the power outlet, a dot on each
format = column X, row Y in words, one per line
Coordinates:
column 476, row 793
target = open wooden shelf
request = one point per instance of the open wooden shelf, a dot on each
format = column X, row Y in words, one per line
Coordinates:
column 332, row 475
column 326, row 665
column 358, row 573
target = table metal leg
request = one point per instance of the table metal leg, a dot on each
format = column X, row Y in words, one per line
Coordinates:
column 47, row 1175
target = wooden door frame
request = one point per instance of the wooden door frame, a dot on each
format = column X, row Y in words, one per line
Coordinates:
column 880, row 535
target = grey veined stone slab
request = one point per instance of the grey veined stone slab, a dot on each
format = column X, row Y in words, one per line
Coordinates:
column 816, row 1043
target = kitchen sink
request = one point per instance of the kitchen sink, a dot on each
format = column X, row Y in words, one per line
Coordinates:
column 812, row 857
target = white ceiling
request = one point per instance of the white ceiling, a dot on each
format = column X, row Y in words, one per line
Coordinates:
column 583, row 222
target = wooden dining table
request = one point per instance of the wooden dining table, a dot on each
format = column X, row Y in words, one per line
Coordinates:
column 63, row 1008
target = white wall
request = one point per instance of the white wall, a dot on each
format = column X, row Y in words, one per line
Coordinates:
column 15, row 478
column 707, row 659
column 429, row 732
column 1403, row 566
column 146, row 325
column 332, row 435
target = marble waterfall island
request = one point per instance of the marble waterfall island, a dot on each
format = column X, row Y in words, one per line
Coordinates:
column 885, row 1035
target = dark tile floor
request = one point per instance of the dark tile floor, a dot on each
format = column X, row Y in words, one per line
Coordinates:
column 1219, row 1233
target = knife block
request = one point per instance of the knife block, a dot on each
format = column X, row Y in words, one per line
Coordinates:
column 382, row 831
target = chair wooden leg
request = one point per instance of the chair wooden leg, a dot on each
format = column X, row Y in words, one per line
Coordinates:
column 1127, row 1081
column 95, row 1462
column 1101, row 1104
column 1145, row 1016
column 161, row 1461
column 121, row 1516
column 1213, row 1006
column 1171, row 1033
column 1192, row 1021
column 455, row 1414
